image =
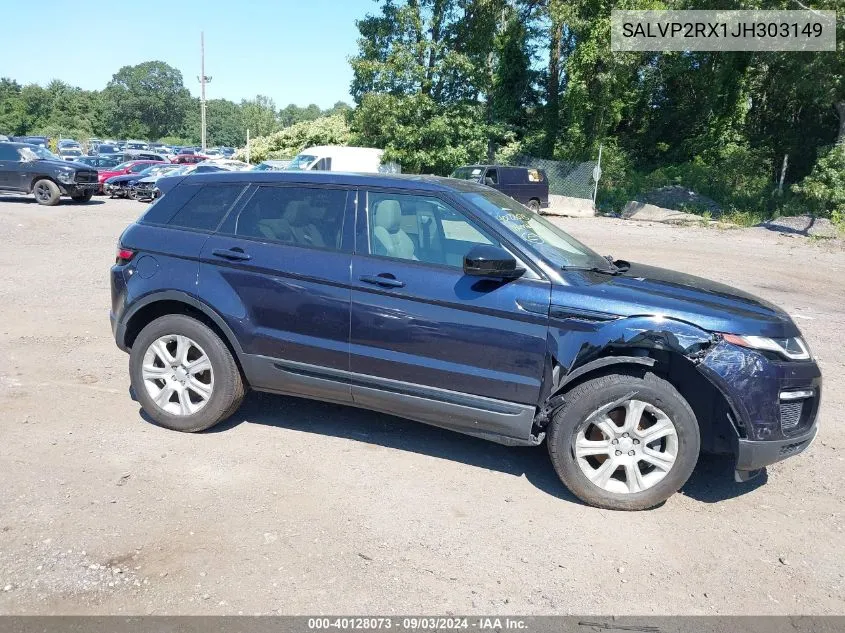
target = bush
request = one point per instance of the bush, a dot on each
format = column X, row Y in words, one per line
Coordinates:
column 286, row 143
column 823, row 191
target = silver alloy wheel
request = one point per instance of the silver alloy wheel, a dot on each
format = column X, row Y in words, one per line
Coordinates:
column 177, row 374
column 627, row 449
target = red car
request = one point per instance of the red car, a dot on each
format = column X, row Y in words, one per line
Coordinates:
column 129, row 167
column 188, row 159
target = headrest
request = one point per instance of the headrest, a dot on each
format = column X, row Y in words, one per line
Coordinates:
column 388, row 215
column 294, row 212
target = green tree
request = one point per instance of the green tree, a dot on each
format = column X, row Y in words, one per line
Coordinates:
column 147, row 100
column 13, row 115
column 418, row 133
column 259, row 115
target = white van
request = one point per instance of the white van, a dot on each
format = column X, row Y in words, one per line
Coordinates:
column 341, row 158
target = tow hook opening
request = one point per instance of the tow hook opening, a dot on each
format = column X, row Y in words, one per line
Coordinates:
column 741, row 476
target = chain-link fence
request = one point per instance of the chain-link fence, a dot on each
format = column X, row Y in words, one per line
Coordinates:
column 571, row 179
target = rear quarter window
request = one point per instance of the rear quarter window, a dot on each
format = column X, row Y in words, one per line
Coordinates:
column 192, row 206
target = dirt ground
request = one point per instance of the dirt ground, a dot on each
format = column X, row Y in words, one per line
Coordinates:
column 298, row 507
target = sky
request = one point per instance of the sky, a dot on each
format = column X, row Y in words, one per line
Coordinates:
column 294, row 51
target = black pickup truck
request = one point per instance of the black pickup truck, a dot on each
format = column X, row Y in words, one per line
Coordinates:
column 26, row 169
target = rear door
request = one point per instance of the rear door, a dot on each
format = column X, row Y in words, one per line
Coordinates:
column 278, row 272
column 421, row 328
column 10, row 168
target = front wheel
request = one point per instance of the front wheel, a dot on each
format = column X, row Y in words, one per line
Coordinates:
column 183, row 374
column 534, row 205
column 47, row 193
column 624, row 442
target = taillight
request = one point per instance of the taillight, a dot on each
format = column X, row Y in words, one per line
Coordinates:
column 124, row 255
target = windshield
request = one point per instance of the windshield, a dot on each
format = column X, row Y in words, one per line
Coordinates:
column 301, row 162
column 467, row 173
column 121, row 166
column 536, row 232
column 36, row 152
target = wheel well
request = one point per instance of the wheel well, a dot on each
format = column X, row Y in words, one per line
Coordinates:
column 711, row 409
column 37, row 178
column 156, row 309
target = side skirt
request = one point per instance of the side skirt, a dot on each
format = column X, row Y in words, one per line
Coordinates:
column 498, row 421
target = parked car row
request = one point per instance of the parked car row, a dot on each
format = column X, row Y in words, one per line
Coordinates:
column 138, row 179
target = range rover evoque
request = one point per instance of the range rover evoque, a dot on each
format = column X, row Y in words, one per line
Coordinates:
column 446, row 302
column 31, row 169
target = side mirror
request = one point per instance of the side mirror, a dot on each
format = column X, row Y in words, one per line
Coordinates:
column 486, row 260
column 489, row 181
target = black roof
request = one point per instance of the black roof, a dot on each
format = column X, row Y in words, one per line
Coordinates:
column 395, row 181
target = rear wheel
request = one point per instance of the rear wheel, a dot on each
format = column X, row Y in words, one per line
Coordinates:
column 46, row 192
column 624, row 442
column 534, row 205
column 184, row 375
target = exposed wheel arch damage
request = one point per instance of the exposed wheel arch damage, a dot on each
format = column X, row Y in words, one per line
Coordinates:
column 668, row 348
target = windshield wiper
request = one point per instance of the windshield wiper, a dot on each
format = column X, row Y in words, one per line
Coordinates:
column 616, row 267
column 593, row 269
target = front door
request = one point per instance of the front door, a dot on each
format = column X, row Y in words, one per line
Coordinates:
column 278, row 268
column 421, row 328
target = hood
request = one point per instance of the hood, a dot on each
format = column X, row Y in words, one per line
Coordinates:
column 649, row 291
column 62, row 163
column 122, row 178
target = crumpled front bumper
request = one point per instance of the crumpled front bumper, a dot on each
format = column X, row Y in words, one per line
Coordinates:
column 770, row 425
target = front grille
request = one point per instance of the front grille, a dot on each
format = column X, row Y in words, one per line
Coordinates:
column 790, row 414
column 86, row 176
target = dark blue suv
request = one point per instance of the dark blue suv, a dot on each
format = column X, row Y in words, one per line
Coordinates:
column 446, row 302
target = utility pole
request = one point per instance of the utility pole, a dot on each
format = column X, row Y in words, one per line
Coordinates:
column 203, row 79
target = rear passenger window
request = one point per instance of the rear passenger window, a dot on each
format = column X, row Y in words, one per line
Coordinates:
column 207, row 207
column 300, row 216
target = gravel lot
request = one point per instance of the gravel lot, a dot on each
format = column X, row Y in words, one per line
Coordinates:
column 301, row 507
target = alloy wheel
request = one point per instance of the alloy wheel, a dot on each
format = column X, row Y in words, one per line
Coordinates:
column 177, row 375
column 628, row 449
column 42, row 192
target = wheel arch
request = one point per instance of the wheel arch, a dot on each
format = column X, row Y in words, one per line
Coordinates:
column 43, row 177
column 636, row 346
column 175, row 302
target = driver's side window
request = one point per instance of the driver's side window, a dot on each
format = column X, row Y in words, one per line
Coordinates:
column 421, row 228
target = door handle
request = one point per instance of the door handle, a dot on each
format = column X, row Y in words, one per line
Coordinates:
column 235, row 254
column 381, row 280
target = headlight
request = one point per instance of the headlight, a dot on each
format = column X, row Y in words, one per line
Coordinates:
column 792, row 348
column 65, row 177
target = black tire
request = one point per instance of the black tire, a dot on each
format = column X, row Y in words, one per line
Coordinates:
column 534, row 205
column 46, row 192
column 228, row 391
column 82, row 197
column 586, row 398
